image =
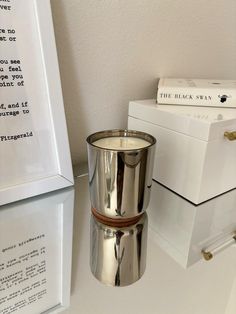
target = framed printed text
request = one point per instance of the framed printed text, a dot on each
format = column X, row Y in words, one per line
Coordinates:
column 34, row 149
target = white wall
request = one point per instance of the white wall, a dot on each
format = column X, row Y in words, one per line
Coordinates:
column 111, row 51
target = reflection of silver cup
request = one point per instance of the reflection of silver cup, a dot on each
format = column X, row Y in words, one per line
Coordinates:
column 118, row 255
column 120, row 179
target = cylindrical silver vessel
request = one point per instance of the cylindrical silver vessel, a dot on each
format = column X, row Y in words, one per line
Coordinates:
column 120, row 180
column 118, row 255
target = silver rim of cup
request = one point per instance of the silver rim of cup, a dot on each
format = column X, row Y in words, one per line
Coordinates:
column 119, row 132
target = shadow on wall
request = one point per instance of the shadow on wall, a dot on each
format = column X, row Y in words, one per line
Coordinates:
column 69, row 78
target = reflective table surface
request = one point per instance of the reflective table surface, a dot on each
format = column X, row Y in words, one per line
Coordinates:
column 39, row 262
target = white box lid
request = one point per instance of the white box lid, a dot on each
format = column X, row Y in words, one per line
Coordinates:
column 203, row 123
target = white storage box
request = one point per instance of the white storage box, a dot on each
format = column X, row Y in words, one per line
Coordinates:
column 183, row 230
column 193, row 158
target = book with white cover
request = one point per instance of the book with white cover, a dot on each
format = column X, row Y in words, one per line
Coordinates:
column 197, row 92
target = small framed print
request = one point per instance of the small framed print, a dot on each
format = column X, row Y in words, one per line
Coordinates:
column 36, row 254
column 34, row 149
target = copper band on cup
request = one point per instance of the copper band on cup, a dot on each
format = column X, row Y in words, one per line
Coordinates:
column 115, row 222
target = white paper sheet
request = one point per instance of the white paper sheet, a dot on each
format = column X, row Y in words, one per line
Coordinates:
column 27, row 148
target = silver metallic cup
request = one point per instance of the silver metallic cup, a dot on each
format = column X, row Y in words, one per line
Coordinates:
column 118, row 255
column 120, row 180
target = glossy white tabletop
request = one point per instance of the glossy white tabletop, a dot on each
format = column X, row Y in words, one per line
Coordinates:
column 165, row 288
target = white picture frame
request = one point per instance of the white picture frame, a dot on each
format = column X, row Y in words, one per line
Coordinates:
column 62, row 176
column 58, row 241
